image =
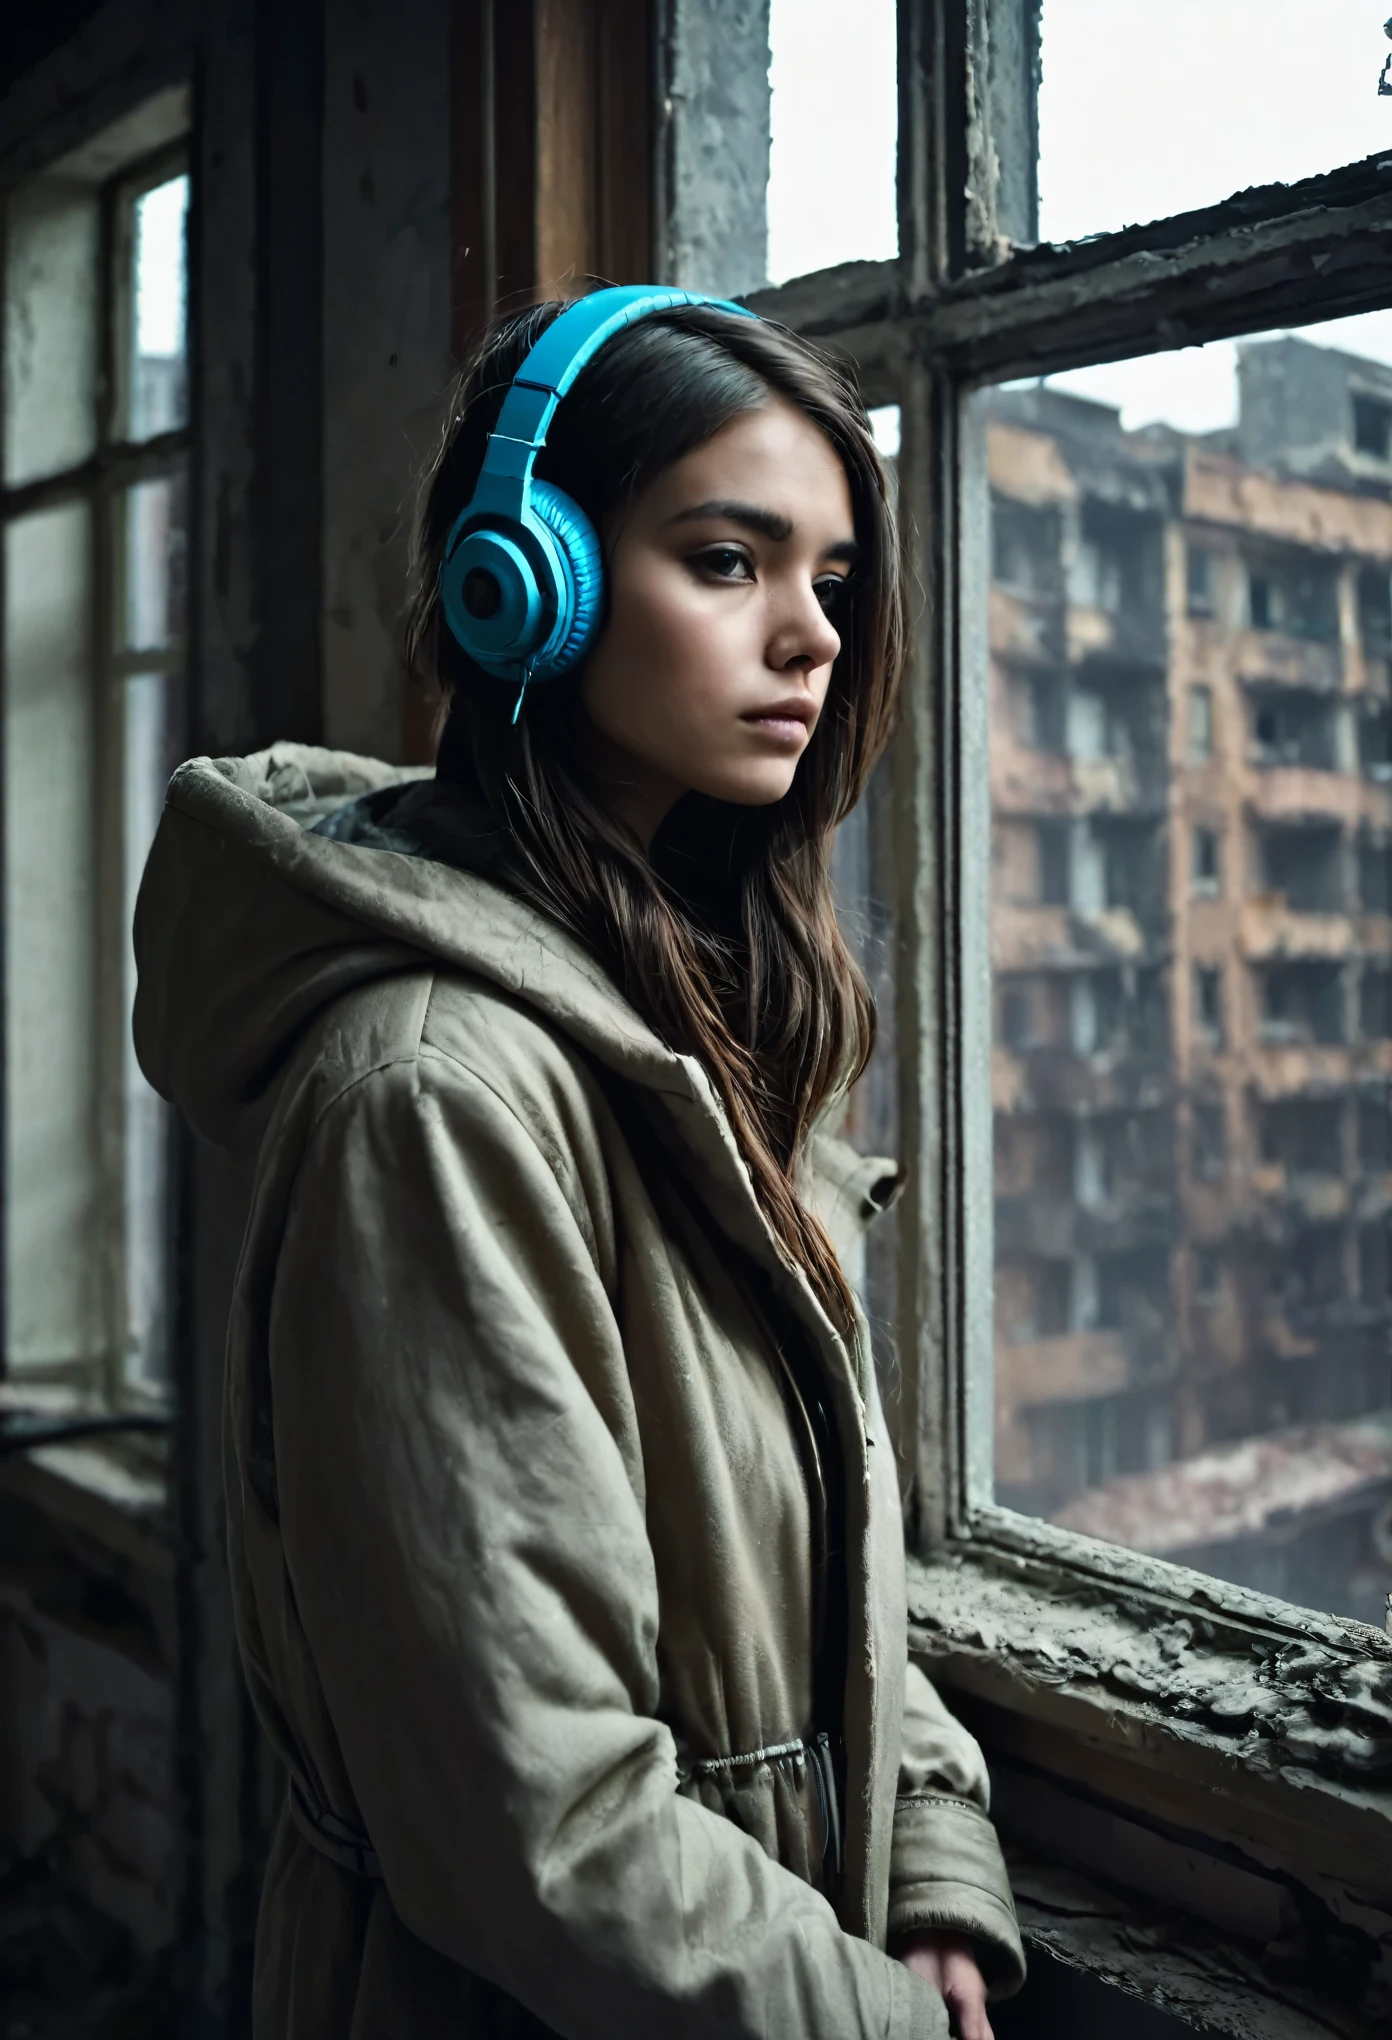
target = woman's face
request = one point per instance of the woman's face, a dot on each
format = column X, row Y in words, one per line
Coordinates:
column 724, row 580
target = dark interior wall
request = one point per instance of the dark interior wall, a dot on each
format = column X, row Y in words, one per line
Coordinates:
column 28, row 34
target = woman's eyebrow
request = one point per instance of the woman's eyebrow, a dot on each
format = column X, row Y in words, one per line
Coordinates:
column 768, row 523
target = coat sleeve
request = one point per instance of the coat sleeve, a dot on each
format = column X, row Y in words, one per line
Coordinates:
column 463, row 1529
column 946, row 1868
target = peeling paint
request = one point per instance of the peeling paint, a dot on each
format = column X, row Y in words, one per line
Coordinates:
column 1267, row 1704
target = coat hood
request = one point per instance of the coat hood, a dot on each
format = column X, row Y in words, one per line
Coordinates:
column 249, row 923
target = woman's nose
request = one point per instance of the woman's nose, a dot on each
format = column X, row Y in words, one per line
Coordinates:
column 806, row 637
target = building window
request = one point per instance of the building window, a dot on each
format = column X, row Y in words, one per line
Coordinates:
column 1206, row 878
column 1375, row 875
column 1372, row 426
column 1301, row 1003
column 1017, row 1018
column 1375, row 610
column 1299, row 596
column 1039, row 708
column 1208, row 1275
column 1375, row 741
column 1375, row 1003
column 1294, row 727
column 1053, row 852
column 1209, row 1142
column 1025, row 544
column 1373, row 1267
column 1200, row 723
column 1208, row 1003
column 95, row 524
column 1200, row 579
column 1303, row 864
column 1375, row 1132
column 1303, row 1136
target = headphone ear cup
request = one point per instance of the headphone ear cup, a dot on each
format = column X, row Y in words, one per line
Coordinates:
column 578, row 542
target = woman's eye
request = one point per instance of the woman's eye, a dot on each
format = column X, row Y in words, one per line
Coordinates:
column 726, row 563
column 830, row 590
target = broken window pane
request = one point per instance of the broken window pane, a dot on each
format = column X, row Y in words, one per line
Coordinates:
column 833, row 130
column 1142, row 117
column 1189, row 704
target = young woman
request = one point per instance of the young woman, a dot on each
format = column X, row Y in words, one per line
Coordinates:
column 564, row 1529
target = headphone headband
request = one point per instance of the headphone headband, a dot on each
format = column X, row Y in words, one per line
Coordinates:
column 569, row 343
column 520, row 581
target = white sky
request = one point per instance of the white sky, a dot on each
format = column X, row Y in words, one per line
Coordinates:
column 159, row 268
column 1143, row 112
column 835, row 120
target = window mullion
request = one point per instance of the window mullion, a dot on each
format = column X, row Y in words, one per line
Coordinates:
column 928, row 1310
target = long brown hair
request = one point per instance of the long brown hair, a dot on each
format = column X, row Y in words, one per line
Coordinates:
column 725, row 938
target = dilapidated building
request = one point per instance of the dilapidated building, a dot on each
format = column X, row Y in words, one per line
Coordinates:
column 1192, row 806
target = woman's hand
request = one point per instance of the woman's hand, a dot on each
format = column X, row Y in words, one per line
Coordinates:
column 946, row 1961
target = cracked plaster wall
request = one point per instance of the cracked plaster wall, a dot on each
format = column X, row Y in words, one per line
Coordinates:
column 715, row 144
column 387, row 363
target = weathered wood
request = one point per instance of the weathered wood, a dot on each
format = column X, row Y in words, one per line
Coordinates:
column 1265, row 258
column 386, row 343
column 568, row 146
column 1208, row 1979
column 1169, row 1679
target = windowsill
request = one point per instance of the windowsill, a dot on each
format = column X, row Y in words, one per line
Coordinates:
column 1178, row 1704
column 101, row 1489
column 1220, row 1980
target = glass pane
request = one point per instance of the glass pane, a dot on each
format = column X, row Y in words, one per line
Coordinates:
column 1190, row 708
column 54, row 1249
column 145, row 699
column 158, row 378
column 1143, row 115
column 50, row 328
column 156, row 550
column 834, row 123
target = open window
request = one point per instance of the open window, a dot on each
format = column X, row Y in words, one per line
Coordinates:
column 1145, row 1403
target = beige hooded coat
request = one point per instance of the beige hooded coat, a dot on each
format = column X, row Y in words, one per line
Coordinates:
column 520, row 1528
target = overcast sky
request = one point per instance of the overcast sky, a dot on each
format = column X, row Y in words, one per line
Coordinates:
column 159, row 268
column 1144, row 111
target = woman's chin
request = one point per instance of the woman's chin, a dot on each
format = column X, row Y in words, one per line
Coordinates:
column 763, row 788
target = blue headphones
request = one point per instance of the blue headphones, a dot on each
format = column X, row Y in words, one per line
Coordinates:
column 521, row 580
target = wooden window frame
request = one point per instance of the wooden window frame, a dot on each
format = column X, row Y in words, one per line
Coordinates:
column 107, row 1399
column 1182, row 1765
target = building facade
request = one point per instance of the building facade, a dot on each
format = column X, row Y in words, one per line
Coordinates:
column 1191, row 782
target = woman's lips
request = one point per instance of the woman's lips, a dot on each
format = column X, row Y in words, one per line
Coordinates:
column 788, row 725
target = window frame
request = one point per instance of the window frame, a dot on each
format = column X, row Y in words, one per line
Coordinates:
column 102, row 1386
column 1099, row 1665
